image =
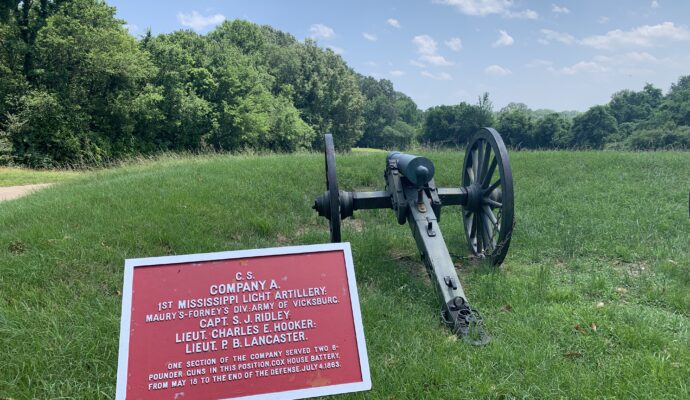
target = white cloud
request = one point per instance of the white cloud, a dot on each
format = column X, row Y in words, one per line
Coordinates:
column 369, row 36
column 426, row 47
column 454, row 44
column 603, row 59
column 580, row 67
column 321, row 31
column 497, row 70
column 435, row 59
column 525, row 14
column 478, row 7
column 417, row 63
column 643, row 36
column 397, row 72
column 537, row 63
column 441, row 76
column 641, row 57
column 393, row 22
column 504, row 39
column 655, row 4
column 425, row 44
column 550, row 36
column 631, row 63
column 199, row 22
column 559, row 9
column 487, row 7
column 336, row 50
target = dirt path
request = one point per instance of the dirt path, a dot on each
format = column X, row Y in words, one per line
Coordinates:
column 13, row 192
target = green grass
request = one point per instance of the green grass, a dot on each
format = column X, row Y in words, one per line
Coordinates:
column 25, row 176
column 359, row 150
column 592, row 228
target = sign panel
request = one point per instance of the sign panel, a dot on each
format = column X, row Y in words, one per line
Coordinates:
column 280, row 323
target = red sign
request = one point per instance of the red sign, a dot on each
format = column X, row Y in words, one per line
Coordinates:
column 279, row 323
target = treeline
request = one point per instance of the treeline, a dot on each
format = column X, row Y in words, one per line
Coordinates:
column 77, row 89
column 644, row 120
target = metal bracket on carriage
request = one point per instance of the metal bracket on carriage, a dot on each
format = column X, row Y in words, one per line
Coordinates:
column 465, row 322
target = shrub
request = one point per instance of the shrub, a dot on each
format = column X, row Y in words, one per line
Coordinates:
column 677, row 138
column 44, row 134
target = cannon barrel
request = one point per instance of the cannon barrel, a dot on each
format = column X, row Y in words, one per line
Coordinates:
column 417, row 169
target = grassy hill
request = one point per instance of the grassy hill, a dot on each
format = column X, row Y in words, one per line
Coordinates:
column 593, row 300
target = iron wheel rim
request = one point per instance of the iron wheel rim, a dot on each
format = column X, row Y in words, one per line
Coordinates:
column 488, row 216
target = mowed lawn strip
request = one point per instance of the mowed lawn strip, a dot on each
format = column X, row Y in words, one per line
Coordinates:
column 593, row 300
column 25, row 176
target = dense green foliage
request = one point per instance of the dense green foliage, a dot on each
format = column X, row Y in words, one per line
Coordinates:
column 391, row 118
column 455, row 125
column 644, row 120
column 77, row 89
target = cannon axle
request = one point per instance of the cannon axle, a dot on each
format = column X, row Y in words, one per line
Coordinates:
column 353, row 201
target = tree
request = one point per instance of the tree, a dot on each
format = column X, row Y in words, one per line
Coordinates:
column 249, row 38
column 379, row 109
column 549, row 131
column 391, row 119
column 328, row 96
column 243, row 105
column 440, row 125
column 676, row 105
column 87, row 70
column 590, row 129
column 629, row 106
column 515, row 125
column 287, row 131
column 181, row 93
column 398, row 136
column 454, row 125
column 43, row 133
column 12, row 81
column 677, row 138
column 408, row 111
column 29, row 17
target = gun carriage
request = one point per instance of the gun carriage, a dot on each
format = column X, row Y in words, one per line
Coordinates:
column 485, row 193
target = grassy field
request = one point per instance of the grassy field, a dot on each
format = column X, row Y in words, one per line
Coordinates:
column 23, row 176
column 593, row 300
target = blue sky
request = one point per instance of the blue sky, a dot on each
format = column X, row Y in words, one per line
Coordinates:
column 562, row 55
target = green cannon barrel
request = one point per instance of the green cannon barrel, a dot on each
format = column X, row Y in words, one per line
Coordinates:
column 419, row 170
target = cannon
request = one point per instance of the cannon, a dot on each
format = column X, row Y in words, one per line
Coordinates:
column 485, row 192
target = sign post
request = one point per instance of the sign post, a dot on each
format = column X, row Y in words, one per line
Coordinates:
column 280, row 323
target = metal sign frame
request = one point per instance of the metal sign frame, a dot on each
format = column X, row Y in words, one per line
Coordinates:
column 125, row 322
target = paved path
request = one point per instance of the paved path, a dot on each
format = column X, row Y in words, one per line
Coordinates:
column 13, row 192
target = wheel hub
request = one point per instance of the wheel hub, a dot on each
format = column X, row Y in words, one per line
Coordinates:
column 474, row 197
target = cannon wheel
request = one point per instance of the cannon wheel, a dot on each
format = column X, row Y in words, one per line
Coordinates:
column 332, row 189
column 488, row 215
